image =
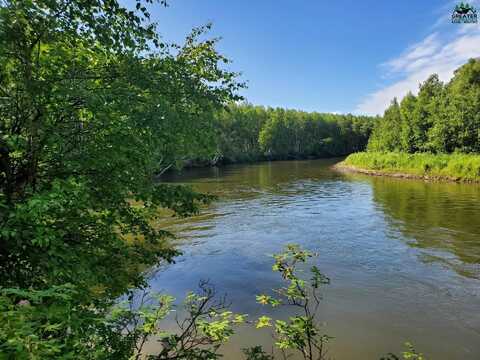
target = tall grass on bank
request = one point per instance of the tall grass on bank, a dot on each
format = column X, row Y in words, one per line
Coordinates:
column 462, row 167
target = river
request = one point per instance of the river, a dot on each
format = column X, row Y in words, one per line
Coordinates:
column 403, row 256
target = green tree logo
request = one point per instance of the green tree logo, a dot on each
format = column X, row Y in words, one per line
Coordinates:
column 464, row 13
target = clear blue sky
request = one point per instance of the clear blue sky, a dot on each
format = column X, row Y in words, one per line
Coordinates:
column 328, row 56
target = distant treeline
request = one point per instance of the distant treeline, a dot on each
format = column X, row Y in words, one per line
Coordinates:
column 443, row 118
column 250, row 133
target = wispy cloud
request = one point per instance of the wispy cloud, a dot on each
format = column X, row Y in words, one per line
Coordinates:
column 440, row 52
column 415, row 54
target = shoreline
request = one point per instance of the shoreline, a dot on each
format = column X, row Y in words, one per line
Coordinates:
column 401, row 175
column 220, row 164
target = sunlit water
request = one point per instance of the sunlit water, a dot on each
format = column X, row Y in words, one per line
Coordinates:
column 403, row 255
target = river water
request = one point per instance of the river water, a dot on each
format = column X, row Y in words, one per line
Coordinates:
column 403, row 256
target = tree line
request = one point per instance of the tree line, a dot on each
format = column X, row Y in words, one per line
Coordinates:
column 442, row 118
column 249, row 133
column 93, row 105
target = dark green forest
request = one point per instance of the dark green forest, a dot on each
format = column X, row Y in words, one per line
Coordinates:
column 94, row 105
column 442, row 118
column 251, row 133
column 435, row 134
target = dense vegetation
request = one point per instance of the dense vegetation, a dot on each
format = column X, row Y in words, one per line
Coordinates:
column 93, row 106
column 442, row 119
column 249, row 133
column 435, row 166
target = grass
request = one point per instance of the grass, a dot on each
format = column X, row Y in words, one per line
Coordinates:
column 459, row 167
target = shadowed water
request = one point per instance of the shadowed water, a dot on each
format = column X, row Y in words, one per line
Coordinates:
column 403, row 255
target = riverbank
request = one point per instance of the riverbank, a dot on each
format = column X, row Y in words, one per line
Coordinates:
column 220, row 162
column 424, row 166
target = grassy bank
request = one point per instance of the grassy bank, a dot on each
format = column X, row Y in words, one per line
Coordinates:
column 457, row 167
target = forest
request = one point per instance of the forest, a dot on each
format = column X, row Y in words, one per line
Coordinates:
column 94, row 105
column 417, row 135
column 252, row 133
column 442, row 118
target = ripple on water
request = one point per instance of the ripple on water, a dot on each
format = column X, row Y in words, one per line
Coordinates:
column 403, row 255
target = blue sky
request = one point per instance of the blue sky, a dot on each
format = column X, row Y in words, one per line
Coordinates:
column 329, row 56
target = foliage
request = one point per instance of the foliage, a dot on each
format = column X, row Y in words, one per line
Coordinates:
column 385, row 133
column 443, row 118
column 249, row 133
column 50, row 324
column 93, row 106
column 238, row 130
column 464, row 167
column 204, row 325
column 301, row 332
column 204, row 322
column 37, row 326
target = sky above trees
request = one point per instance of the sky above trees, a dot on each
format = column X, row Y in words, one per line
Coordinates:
column 335, row 56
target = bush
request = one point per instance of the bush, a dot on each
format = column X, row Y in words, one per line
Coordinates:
column 464, row 167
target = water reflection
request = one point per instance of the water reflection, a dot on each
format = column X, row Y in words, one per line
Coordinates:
column 442, row 218
column 238, row 181
column 403, row 255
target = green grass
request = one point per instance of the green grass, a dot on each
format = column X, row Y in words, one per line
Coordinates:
column 462, row 167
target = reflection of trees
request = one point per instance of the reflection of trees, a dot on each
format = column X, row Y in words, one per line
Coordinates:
column 246, row 180
column 436, row 216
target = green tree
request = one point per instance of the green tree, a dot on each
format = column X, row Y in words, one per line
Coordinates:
column 385, row 135
column 93, row 106
column 441, row 119
column 274, row 137
column 238, row 131
column 423, row 114
column 296, row 134
column 407, row 108
column 461, row 110
column 301, row 333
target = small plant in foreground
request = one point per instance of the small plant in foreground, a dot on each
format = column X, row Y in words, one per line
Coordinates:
column 301, row 333
column 205, row 325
